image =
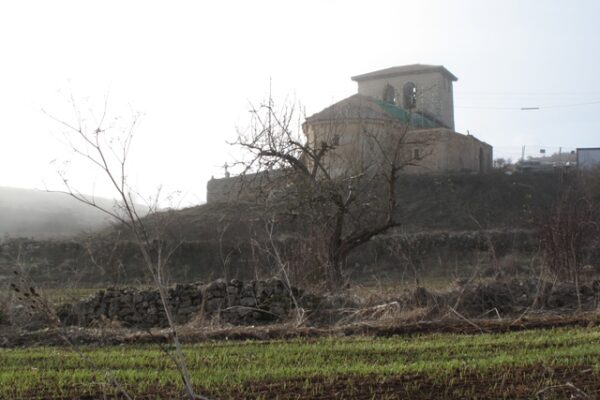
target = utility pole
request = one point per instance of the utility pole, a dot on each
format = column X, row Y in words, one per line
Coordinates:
column 560, row 154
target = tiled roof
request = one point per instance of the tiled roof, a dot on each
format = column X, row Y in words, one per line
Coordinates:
column 404, row 70
column 361, row 107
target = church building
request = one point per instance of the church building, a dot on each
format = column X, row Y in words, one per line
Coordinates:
column 408, row 108
column 413, row 104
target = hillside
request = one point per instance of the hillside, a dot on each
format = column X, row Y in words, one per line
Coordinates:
column 448, row 202
column 445, row 218
column 43, row 215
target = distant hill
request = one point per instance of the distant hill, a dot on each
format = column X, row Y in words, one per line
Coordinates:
column 43, row 215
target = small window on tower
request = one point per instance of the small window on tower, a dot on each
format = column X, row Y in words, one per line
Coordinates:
column 416, row 154
column 335, row 141
column 410, row 95
column 389, row 94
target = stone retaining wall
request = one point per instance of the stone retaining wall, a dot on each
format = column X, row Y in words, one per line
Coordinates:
column 235, row 302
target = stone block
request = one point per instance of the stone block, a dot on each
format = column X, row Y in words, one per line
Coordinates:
column 186, row 310
column 216, row 289
column 185, row 302
column 247, row 290
column 215, row 304
column 152, row 311
column 248, row 301
column 125, row 311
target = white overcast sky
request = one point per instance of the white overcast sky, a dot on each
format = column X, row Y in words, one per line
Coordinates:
column 193, row 67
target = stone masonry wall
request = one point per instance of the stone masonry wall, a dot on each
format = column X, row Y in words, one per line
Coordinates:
column 235, row 302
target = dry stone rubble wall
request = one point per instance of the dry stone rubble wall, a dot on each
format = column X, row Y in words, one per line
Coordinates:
column 236, row 302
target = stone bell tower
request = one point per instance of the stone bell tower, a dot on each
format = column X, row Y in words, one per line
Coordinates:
column 423, row 89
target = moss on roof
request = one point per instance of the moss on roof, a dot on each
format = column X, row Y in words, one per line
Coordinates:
column 415, row 120
column 361, row 107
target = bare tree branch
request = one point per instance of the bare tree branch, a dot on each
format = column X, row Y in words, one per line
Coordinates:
column 109, row 154
column 336, row 190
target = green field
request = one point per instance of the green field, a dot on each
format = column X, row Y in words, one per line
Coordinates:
column 514, row 365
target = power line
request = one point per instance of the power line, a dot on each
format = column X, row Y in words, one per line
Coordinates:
column 531, row 108
column 468, row 93
column 574, row 105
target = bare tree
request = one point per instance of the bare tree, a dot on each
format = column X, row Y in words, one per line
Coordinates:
column 569, row 231
column 106, row 145
column 339, row 191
